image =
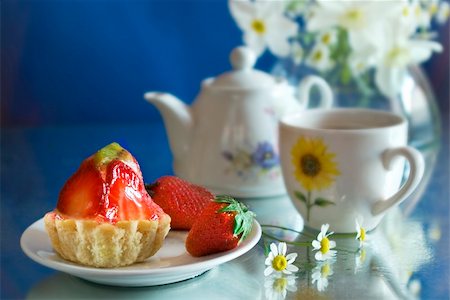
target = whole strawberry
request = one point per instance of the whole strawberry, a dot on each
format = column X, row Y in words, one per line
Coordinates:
column 222, row 225
column 180, row 199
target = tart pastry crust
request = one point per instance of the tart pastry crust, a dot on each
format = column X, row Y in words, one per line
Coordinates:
column 106, row 245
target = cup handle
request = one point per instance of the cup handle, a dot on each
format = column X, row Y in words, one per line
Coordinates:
column 304, row 89
column 416, row 170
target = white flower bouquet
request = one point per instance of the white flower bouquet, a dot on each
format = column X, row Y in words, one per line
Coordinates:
column 358, row 41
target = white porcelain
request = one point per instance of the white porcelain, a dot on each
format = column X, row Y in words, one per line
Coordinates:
column 170, row 264
column 227, row 140
column 349, row 165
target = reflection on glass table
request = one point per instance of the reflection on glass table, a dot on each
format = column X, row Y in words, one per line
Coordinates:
column 405, row 257
column 395, row 262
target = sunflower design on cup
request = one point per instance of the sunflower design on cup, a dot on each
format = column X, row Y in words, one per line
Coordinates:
column 315, row 170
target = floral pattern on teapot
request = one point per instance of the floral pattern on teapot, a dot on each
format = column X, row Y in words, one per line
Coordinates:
column 249, row 162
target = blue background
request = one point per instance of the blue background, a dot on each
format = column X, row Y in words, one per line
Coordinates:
column 90, row 61
column 71, row 62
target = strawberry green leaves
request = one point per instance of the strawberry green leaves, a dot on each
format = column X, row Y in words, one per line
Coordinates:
column 243, row 220
column 107, row 154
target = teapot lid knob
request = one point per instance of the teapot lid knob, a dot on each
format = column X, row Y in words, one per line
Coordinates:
column 242, row 58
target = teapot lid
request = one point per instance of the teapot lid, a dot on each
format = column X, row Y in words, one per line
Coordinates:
column 243, row 75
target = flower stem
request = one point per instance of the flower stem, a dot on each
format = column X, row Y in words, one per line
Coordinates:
column 287, row 242
column 288, row 229
column 308, row 206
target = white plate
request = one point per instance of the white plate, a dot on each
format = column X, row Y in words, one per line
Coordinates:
column 170, row 264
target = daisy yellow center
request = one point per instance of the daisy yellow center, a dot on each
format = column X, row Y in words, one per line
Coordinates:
column 324, row 245
column 317, row 56
column 268, row 155
column 433, row 9
column 310, row 165
column 405, row 11
column 354, row 15
column 258, row 26
column 398, row 56
column 280, row 284
column 326, row 39
column 353, row 18
column 360, row 66
column 279, row 263
column 362, row 234
column 325, row 270
column 418, row 11
column 362, row 255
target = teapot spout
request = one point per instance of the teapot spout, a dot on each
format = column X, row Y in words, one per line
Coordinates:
column 177, row 118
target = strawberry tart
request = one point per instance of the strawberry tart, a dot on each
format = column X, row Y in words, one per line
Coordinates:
column 104, row 216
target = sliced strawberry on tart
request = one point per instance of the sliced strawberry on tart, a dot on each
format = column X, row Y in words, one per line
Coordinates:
column 104, row 216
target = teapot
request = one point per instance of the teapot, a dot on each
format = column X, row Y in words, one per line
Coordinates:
column 227, row 140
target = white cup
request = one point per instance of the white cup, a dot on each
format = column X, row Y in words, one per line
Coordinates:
column 345, row 165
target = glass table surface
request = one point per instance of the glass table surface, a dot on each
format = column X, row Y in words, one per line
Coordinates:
column 406, row 257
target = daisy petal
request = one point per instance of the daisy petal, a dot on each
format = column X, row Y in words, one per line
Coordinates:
column 286, row 271
column 282, row 248
column 320, row 236
column 242, row 12
column 274, row 249
column 316, row 244
column 256, row 43
column 268, row 271
column 318, row 256
column 332, row 244
column 332, row 252
column 291, row 257
column 268, row 261
column 292, row 268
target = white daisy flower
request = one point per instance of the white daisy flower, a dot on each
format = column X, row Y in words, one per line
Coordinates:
column 320, row 275
column 396, row 53
column 327, row 37
column 360, row 18
column 431, row 5
column 443, row 12
column 359, row 64
column 264, row 25
column 297, row 52
column 277, row 286
column 360, row 259
column 278, row 261
column 319, row 58
column 360, row 234
column 414, row 287
column 323, row 244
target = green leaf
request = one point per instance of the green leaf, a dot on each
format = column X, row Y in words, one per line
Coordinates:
column 107, row 153
column 323, row 202
column 224, row 199
column 346, row 74
column 247, row 224
column 238, row 224
column 300, row 196
column 243, row 219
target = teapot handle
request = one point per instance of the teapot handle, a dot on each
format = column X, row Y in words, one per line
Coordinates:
column 304, row 90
